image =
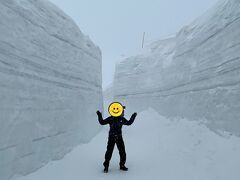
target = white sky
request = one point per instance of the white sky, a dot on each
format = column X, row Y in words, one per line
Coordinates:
column 116, row 26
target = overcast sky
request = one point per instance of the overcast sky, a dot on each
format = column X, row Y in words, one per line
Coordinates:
column 116, row 26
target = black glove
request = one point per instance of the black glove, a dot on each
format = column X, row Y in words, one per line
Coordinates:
column 135, row 114
column 99, row 113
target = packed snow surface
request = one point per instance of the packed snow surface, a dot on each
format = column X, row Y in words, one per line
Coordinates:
column 157, row 148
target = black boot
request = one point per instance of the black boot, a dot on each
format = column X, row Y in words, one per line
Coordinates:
column 105, row 164
column 105, row 170
column 123, row 168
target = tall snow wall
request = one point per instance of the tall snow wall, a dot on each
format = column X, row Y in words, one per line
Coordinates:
column 50, row 86
column 194, row 75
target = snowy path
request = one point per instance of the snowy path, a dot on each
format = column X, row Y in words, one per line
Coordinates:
column 157, row 149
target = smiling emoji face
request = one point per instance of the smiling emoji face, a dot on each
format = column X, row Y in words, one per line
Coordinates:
column 115, row 109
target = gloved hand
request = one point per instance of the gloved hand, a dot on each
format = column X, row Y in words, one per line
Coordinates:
column 99, row 113
column 135, row 114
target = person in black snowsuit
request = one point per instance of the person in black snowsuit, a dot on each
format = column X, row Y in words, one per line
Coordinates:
column 115, row 137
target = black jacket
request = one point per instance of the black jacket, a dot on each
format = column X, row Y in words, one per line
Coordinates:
column 116, row 123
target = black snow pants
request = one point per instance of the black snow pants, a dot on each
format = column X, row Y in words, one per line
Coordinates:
column 110, row 146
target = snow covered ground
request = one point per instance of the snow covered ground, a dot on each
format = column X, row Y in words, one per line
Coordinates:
column 157, row 148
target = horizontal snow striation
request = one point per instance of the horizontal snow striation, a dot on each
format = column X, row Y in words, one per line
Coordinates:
column 195, row 74
column 50, row 86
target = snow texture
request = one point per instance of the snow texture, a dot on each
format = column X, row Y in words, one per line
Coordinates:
column 50, row 86
column 157, row 148
column 195, row 75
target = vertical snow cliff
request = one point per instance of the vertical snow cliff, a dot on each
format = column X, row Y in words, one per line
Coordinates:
column 195, row 74
column 50, row 86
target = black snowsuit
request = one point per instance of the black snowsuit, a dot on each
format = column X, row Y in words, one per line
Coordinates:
column 115, row 136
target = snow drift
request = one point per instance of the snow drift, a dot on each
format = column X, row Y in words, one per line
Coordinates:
column 194, row 75
column 50, row 85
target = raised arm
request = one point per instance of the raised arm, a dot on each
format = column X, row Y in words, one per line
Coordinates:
column 128, row 123
column 100, row 119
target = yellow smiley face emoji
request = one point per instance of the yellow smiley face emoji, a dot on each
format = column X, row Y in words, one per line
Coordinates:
column 115, row 109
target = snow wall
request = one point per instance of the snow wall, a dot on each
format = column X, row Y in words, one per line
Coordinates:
column 50, row 86
column 195, row 75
